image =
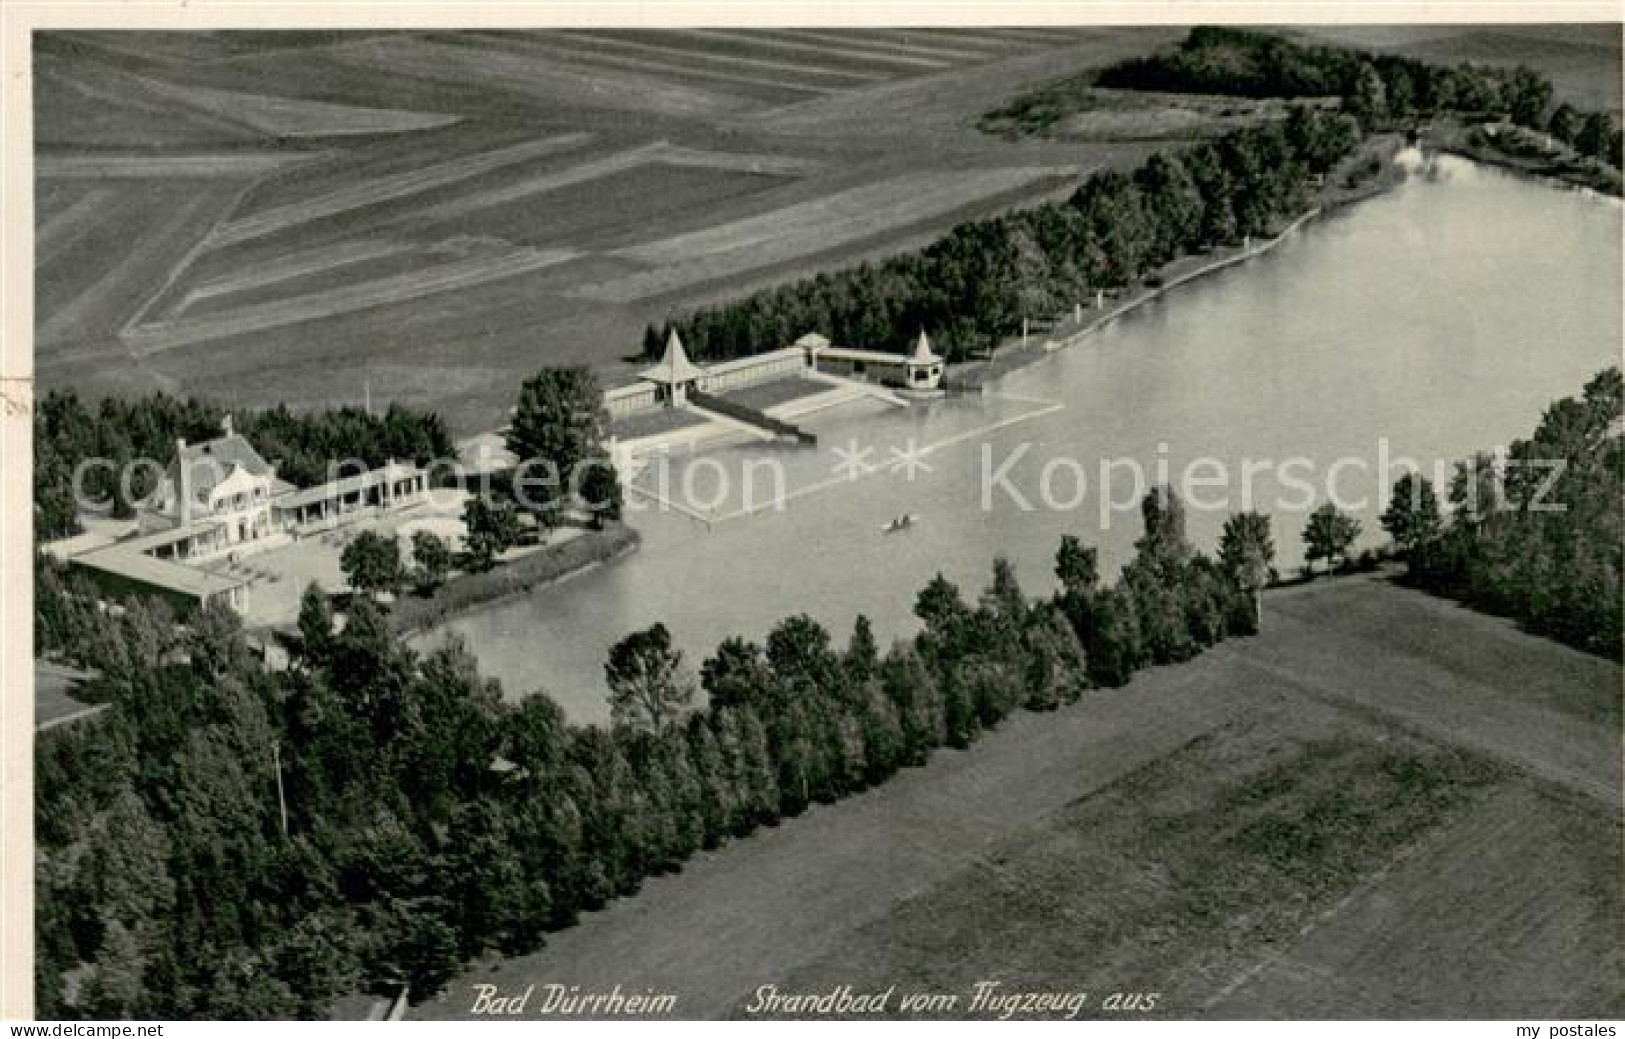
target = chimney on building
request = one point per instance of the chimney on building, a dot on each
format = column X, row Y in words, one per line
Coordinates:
column 183, row 483
column 225, row 425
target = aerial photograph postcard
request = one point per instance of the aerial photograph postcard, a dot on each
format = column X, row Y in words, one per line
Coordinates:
column 1037, row 521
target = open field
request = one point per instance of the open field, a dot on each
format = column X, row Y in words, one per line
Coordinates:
column 807, row 228
column 615, row 207
column 98, row 270
column 1583, row 60
column 148, row 167
column 68, row 224
column 500, row 192
column 898, row 202
column 78, row 103
column 672, row 168
column 1522, row 864
column 1241, row 839
column 754, row 84
column 290, row 267
column 917, row 108
column 1174, row 878
column 292, row 117
column 386, row 188
column 449, row 276
column 310, row 253
column 827, row 49
column 347, row 265
column 382, row 158
column 226, row 112
column 574, row 86
column 598, row 169
column 869, row 43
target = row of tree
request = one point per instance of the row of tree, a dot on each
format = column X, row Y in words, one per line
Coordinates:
column 1536, row 535
column 136, row 438
column 232, row 842
column 973, row 288
column 1380, row 90
column 1592, row 134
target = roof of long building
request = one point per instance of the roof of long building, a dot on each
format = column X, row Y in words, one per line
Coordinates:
column 345, row 485
column 129, row 559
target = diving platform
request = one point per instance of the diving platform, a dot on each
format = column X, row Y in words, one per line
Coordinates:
column 853, row 387
column 744, row 414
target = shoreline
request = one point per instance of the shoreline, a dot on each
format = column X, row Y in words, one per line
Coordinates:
column 1152, row 293
column 1015, row 356
column 1543, row 175
column 1564, row 168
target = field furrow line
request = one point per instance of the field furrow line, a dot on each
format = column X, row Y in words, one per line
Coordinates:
column 985, row 47
column 827, row 50
column 294, row 265
column 149, row 243
column 877, row 207
column 709, row 57
column 145, row 167
column 389, row 188
column 168, row 335
column 127, row 91
column 295, row 117
column 1021, row 34
column 587, row 171
column 975, row 39
column 866, row 43
column 655, row 67
column 1362, row 888
column 782, row 165
column 797, row 231
column 197, row 248
column 556, row 81
column 70, row 225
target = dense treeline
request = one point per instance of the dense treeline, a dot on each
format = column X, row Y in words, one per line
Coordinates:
column 1538, row 535
column 1380, row 90
column 428, row 819
column 1246, row 63
column 973, row 287
column 68, row 432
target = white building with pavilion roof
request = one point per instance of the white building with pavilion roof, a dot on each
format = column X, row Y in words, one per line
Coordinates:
column 674, row 374
column 220, row 491
column 220, row 499
column 919, row 370
column 670, row 381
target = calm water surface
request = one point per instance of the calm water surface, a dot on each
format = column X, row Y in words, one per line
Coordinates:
column 1436, row 320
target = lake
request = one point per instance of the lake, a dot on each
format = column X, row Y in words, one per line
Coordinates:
column 1432, row 321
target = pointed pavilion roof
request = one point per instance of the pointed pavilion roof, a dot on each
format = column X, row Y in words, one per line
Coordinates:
column 923, row 353
column 674, row 367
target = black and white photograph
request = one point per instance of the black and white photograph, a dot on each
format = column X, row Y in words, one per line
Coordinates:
column 574, row 519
